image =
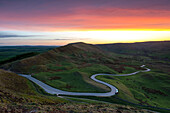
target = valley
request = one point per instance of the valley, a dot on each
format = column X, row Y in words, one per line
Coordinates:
column 70, row 67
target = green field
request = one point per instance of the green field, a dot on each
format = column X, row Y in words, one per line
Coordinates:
column 143, row 88
column 70, row 78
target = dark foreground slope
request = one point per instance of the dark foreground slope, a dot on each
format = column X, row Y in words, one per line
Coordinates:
column 17, row 93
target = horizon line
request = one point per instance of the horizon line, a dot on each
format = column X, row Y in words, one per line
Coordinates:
column 91, row 43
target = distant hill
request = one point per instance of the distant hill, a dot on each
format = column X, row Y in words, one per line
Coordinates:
column 155, row 50
column 13, row 53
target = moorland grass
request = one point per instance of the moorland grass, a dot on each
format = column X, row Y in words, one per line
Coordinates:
column 145, row 88
column 72, row 79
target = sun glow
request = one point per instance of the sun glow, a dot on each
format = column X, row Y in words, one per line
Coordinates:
column 94, row 37
column 119, row 36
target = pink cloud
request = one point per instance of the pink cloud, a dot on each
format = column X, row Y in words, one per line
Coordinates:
column 91, row 18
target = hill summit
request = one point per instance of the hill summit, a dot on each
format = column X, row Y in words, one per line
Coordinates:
column 81, row 46
column 73, row 52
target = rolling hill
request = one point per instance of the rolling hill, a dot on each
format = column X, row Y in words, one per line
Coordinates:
column 78, row 54
column 155, row 50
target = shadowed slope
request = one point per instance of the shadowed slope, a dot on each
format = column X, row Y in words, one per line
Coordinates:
column 16, row 89
column 12, row 82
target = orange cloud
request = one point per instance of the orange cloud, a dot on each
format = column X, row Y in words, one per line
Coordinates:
column 93, row 19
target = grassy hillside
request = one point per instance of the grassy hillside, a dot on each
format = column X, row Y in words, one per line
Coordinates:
column 16, row 91
column 155, row 50
column 70, row 67
column 17, row 94
column 145, row 88
column 149, row 88
column 71, row 54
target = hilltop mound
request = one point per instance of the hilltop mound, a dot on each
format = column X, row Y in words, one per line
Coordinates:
column 79, row 47
column 86, row 47
column 74, row 52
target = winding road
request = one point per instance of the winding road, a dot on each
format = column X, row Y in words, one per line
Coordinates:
column 52, row 90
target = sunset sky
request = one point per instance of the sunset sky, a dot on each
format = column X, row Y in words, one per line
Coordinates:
column 58, row 22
